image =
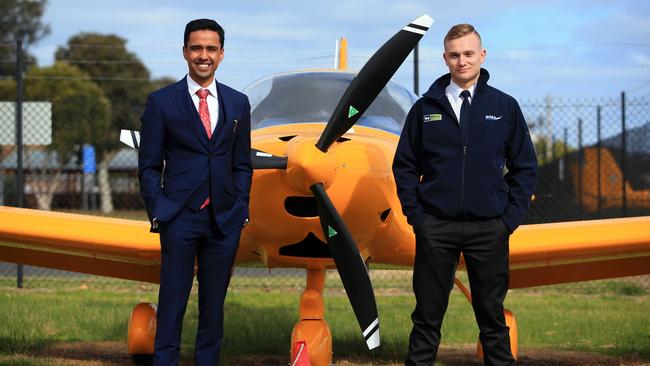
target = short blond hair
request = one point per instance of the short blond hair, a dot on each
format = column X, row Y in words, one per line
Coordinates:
column 461, row 30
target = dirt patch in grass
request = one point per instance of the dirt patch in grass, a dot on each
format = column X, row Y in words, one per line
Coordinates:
column 74, row 354
column 114, row 353
column 465, row 356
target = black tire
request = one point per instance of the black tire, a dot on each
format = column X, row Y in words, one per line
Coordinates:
column 143, row 360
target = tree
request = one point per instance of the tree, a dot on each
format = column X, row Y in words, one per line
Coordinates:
column 80, row 114
column 19, row 19
column 156, row 84
column 125, row 82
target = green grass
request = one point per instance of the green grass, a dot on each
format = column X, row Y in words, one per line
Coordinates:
column 35, row 318
column 615, row 321
column 608, row 317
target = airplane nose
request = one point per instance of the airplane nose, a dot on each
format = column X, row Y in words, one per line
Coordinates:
column 307, row 165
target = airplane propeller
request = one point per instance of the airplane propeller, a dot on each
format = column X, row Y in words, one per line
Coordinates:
column 361, row 92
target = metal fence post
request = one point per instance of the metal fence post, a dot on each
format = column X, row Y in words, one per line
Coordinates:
column 580, row 162
column 623, row 157
column 598, row 147
column 565, row 157
column 20, row 179
column 553, row 154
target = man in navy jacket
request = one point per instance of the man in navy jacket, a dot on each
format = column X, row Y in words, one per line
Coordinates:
column 195, row 176
column 449, row 170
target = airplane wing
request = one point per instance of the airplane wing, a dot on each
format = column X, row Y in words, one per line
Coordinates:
column 541, row 254
column 81, row 243
column 547, row 254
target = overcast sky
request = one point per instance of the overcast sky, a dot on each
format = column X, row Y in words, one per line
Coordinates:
column 561, row 48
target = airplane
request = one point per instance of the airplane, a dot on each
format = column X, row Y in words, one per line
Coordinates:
column 333, row 205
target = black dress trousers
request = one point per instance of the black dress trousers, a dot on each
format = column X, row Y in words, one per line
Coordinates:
column 484, row 245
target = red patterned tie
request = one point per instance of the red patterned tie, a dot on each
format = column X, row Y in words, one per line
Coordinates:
column 204, row 112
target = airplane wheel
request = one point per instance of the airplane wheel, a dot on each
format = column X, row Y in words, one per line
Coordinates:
column 511, row 322
column 142, row 330
column 143, row 360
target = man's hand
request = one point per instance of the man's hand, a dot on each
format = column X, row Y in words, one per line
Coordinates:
column 154, row 225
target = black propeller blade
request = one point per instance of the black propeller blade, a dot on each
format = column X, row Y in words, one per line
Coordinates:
column 263, row 160
column 350, row 266
column 372, row 78
column 259, row 159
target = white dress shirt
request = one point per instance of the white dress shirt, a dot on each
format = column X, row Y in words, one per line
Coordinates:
column 213, row 100
column 452, row 91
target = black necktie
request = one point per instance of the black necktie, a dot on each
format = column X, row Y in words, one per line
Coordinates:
column 464, row 108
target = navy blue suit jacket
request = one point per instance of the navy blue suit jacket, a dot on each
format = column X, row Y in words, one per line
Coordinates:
column 178, row 165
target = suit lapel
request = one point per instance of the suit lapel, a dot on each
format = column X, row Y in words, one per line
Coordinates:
column 221, row 131
column 189, row 113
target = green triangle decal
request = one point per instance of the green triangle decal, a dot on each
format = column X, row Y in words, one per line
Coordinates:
column 331, row 232
column 352, row 111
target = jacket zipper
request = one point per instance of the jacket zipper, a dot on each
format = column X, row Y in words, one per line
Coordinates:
column 464, row 138
column 462, row 182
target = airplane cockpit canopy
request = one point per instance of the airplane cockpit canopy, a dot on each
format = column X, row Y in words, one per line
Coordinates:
column 304, row 97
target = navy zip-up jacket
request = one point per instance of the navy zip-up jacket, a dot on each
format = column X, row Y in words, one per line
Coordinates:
column 458, row 173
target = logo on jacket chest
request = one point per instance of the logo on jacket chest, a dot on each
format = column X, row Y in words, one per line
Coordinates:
column 491, row 117
column 432, row 117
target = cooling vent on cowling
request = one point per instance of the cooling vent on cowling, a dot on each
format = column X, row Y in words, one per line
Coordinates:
column 301, row 206
column 287, row 138
column 309, row 247
column 384, row 215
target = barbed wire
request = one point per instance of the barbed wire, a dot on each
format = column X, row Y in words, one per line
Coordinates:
column 324, row 57
column 570, row 66
column 575, row 45
column 643, row 85
column 514, row 81
column 567, row 80
column 499, row 47
column 93, row 78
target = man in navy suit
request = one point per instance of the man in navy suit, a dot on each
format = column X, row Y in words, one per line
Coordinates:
column 195, row 176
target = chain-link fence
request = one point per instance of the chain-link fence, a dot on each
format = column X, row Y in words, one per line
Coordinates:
column 594, row 163
column 594, row 158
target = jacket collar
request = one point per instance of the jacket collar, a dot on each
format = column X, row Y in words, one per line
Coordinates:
column 437, row 89
column 193, row 86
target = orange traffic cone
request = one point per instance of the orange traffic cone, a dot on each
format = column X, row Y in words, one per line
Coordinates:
column 299, row 355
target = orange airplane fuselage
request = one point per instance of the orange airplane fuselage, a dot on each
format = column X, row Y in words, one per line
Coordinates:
column 285, row 230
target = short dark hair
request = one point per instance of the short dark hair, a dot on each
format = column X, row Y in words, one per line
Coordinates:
column 203, row 24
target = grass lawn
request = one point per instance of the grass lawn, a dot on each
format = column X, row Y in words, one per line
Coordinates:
column 608, row 317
